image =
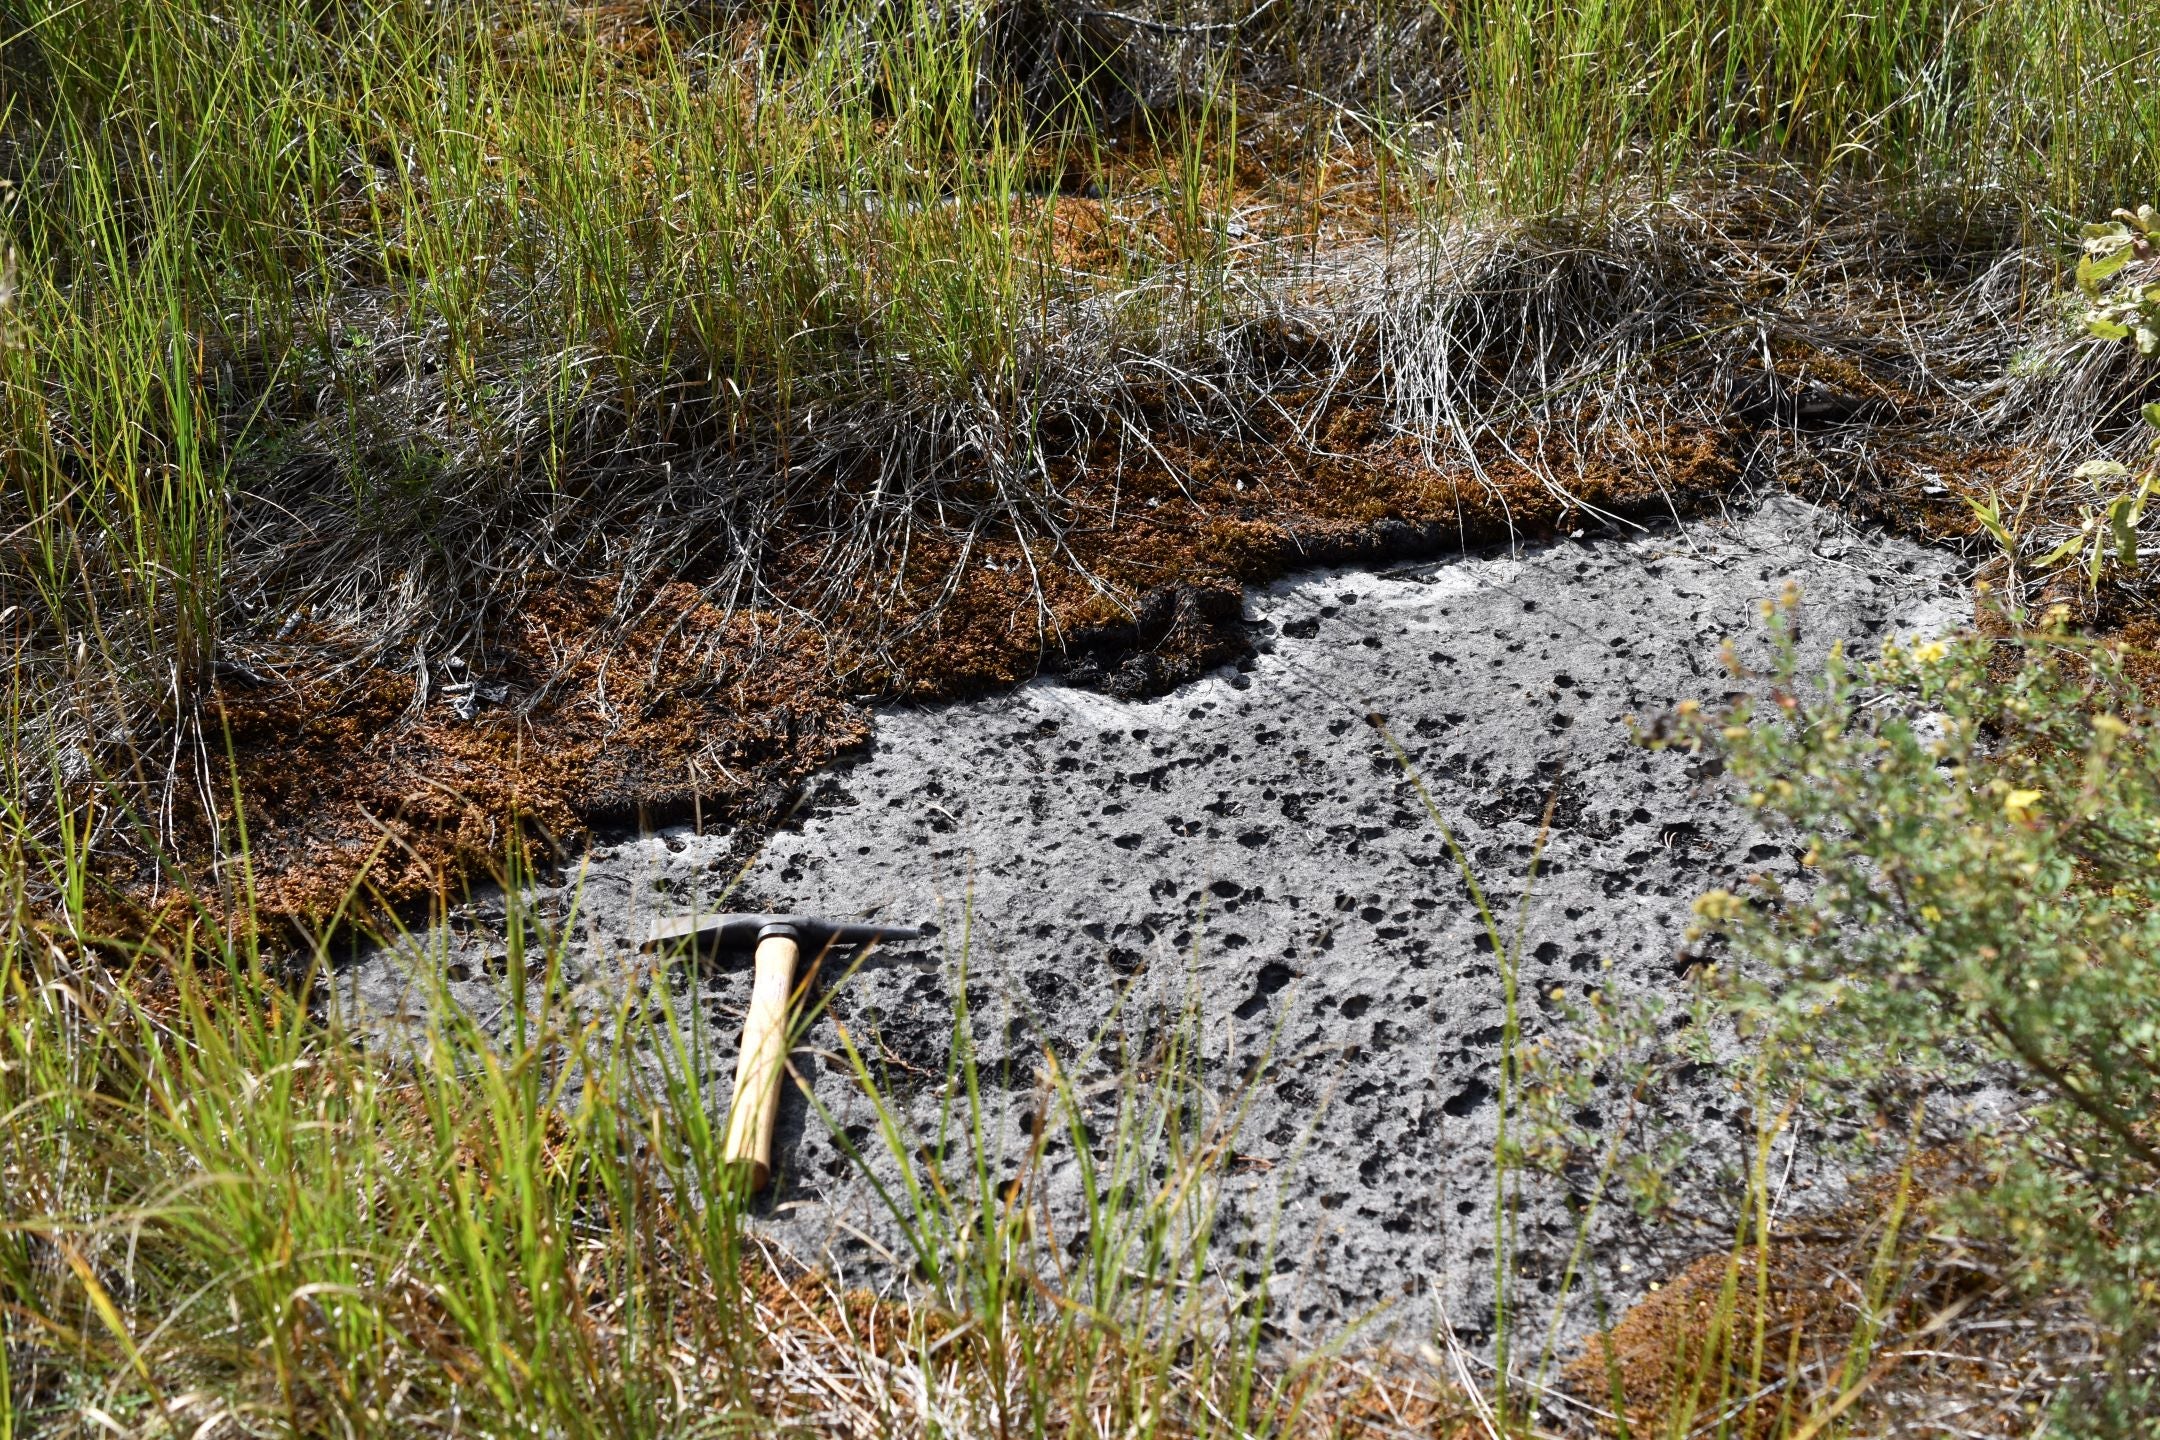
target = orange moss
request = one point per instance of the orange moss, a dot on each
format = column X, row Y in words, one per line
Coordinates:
column 1686, row 1356
column 688, row 708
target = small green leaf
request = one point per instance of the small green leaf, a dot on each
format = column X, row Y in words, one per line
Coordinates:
column 2101, row 470
column 2121, row 517
column 2061, row 552
column 2098, row 324
column 2151, row 412
column 2095, row 268
column 1990, row 516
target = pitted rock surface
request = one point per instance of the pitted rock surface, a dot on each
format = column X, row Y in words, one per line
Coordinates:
column 1249, row 846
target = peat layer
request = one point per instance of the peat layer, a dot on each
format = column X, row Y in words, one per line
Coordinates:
column 687, row 710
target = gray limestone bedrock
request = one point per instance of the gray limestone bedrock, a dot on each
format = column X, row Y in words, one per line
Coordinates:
column 1248, row 851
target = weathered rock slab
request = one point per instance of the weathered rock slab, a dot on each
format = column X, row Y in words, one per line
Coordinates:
column 1250, row 847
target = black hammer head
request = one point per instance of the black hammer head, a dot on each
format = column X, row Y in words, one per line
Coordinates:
column 812, row 933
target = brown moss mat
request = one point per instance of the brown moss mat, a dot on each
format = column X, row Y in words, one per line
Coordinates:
column 580, row 719
column 1843, row 1324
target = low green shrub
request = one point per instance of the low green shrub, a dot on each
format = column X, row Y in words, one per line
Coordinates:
column 1981, row 822
column 2129, row 311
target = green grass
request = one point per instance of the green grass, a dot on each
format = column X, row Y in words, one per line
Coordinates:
column 221, row 1202
column 304, row 286
column 2030, row 103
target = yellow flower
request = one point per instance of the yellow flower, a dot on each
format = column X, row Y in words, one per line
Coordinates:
column 1929, row 653
column 1718, row 905
column 2018, row 804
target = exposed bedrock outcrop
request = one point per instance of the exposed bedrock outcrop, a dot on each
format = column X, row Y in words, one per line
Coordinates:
column 1247, row 845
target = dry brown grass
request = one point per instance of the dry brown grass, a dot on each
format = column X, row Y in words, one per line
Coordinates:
column 849, row 1363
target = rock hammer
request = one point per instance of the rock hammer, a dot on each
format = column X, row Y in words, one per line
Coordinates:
column 778, row 940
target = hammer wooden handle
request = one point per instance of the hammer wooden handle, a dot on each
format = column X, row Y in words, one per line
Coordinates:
column 762, row 1061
